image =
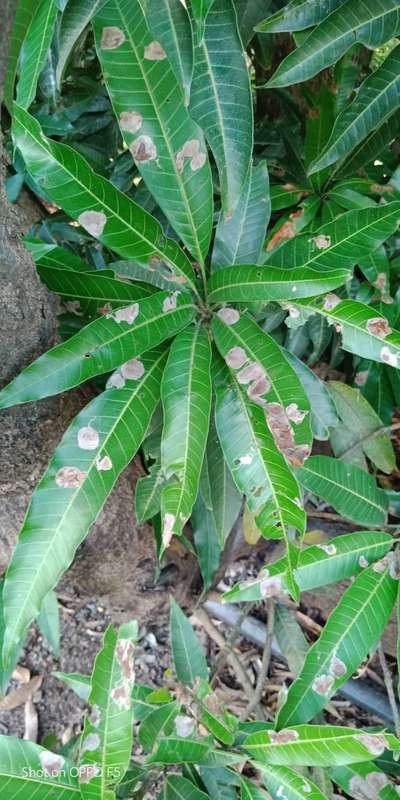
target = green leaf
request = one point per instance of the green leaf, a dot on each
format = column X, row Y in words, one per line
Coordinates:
column 355, row 625
column 101, row 209
column 107, row 737
column 375, row 101
column 148, row 493
column 34, row 50
column 298, row 15
column 294, row 786
column 206, row 540
column 248, row 283
column 49, row 622
column 54, row 257
column 375, row 144
column 319, row 746
column 186, row 399
column 249, row 14
column 5, row 672
column 80, row 684
column 100, row 347
column 72, row 491
column 359, row 778
column 23, row 772
column 178, row 788
column 200, row 10
column 22, row 19
column 220, row 100
column 159, row 722
column 189, row 659
column 351, row 491
column 240, row 239
column 192, row 751
column 372, row 26
column 169, row 22
column 75, row 18
column 323, row 414
column 361, row 420
column 290, row 637
column 166, row 144
column 320, row 565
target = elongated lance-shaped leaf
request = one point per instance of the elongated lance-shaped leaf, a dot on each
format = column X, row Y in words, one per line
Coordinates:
column 98, row 445
column 295, row 786
column 249, row 791
column 80, row 684
column 364, row 330
column 246, row 348
column 375, row 101
column 361, row 778
column 75, row 18
column 370, row 24
column 200, row 10
column 189, row 659
column 5, row 671
column 220, row 100
column 106, row 742
column 323, row 414
column 298, row 15
column 221, row 498
column 148, row 493
column 320, row 565
column 169, row 21
column 239, row 240
column 49, row 622
column 159, row 722
column 34, row 50
column 176, row 750
column 50, row 255
column 259, row 468
column 166, row 144
column 100, row 347
column 104, row 211
column 375, row 144
column 206, row 541
column 177, row 788
column 248, row 283
column 22, row 20
column 186, row 398
column 351, row 491
column 28, row 771
column 319, row 746
column 341, row 242
column 352, row 629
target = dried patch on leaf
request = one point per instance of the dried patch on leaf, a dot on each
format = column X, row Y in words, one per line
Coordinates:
column 236, row 357
column 93, row 221
column 105, row 310
column 190, row 151
column 247, row 459
column 294, row 413
column 184, row 726
column 198, row 161
column 87, row 772
column 294, row 312
column 127, row 314
column 143, row 149
column 91, row 743
column 258, row 388
column 375, row 743
column 286, row 231
column 272, row 586
column 121, row 696
column 363, row 562
column 283, row 737
column 168, row 528
column 329, row 549
column 115, row 381
column 88, row 438
column 361, row 378
column 381, row 565
column 378, row 326
column 95, row 716
column 388, row 357
column 51, row 763
column 125, row 651
column 368, row 788
column 279, row 425
column 321, row 241
column 331, row 301
column 154, row 52
column 169, row 304
column 381, row 281
column 306, row 788
column 133, row 370
column 104, row 464
column 228, row 315
column 252, row 372
column 111, row 38
column 337, row 667
column 70, row 477
column 323, row 684
column 130, row 121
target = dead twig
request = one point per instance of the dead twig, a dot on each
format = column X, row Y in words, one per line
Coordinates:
column 259, row 690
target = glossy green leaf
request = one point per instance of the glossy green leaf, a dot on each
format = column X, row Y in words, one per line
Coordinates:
column 80, row 684
column 23, row 772
column 101, row 209
column 354, row 626
column 294, row 785
column 321, row 117
column 189, row 659
column 49, row 622
column 22, row 19
column 298, row 15
column 107, row 737
column 166, row 144
column 361, row 778
column 75, row 18
column 179, row 788
column 97, row 446
column 290, row 637
column 100, row 347
column 320, row 565
column 375, row 101
column 352, row 492
column 373, row 146
column 148, row 493
column 249, row 791
column 249, row 14
column 248, row 283
column 200, row 10
column 186, row 399
column 34, row 51
column 206, row 540
column 319, row 746
column 55, row 257
column 192, row 751
column 5, row 671
column 220, row 100
column 323, row 414
column 240, row 239
column 169, row 22
column 371, row 24
column 159, row 722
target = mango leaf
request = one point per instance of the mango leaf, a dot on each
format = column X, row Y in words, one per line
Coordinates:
column 320, row 120
column 177, row 788
column 189, row 659
column 100, row 347
column 358, row 778
column 169, row 22
column 318, row 746
column 206, row 540
column 159, row 722
column 294, row 785
column 364, row 330
column 52, row 256
column 298, row 15
column 249, row 791
column 34, row 50
column 375, row 101
column 106, row 742
column 374, row 145
column 323, row 414
column 49, row 622
column 290, row 637
column 80, row 684
column 351, row 491
column 247, row 283
column 200, row 10
column 166, row 144
column 362, row 421
column 220, row 100
column 372, row 26
column 5, row 672
column 175, row 750
column 101, row 209
column 355, row 625
column 320, row 565
column 249, row 14
column 27, row 770
column 22, row 19
column 148, row 493
column 97, row 446
column 75, row 18
column 186, row 399
column 240, row 239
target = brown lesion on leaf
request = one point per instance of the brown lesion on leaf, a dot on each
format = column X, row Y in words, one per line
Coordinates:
column 323, row 684
column 51, row 763
column 190, row 151
column 93, row 221
column 170, row 302
column 87, row 772
column 388, row 357
column 133, row 369
column 236, row 357
column 111, row 38
column 283, row 737
column 378, row 326
column 143, row 149
column 228, row 315
column 154, row 52
column 70, row 477
column 121, row 696
column 130, row 121
column 331, row 301
column 127, row 314
column 375, row 743
column 125, row 650
column 337, row 667
column 280, row 427
column 104, row 464
column 88, row 438
column 368, row 787
column 321, row 241
column 272, row 586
